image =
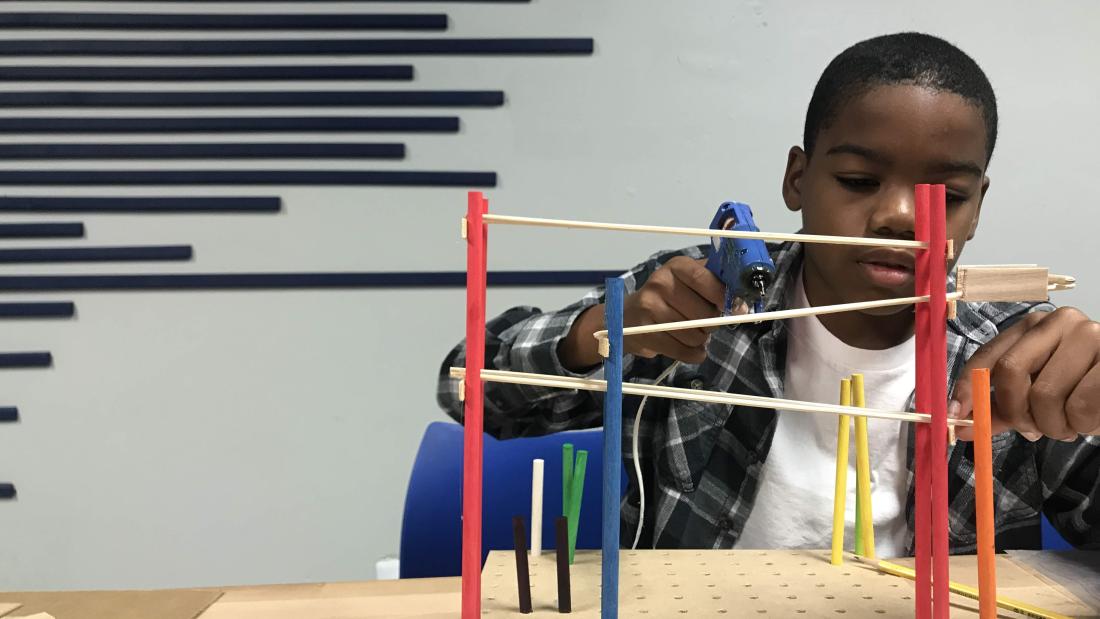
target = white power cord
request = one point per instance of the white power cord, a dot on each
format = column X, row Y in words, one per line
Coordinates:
column 634, row 450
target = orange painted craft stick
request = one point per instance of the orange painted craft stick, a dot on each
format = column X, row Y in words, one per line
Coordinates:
column 983, row 495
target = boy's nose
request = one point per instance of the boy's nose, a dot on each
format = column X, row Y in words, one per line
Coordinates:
column 893, row 214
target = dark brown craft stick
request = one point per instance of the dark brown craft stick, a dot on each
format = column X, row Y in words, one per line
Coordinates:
column 523, row 573
column 561, row 530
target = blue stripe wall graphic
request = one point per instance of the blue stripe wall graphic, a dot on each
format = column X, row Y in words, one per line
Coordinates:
column 254, row 98
column 25, row 360
column 293, row 47
column 65, row 230
column 286, row 178
column 139, row 204
column 205, row 73
column 271, row 48
column 230, row 124
column 193, row 150
column 38, row 309
column 223, row 21
column 288, row 281
column 149, row 253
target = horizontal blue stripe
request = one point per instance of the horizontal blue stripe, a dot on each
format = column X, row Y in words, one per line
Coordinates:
column 42, row 231
column 14, row 360
column 170, row 73
column 38, row 309
column 223, row 21
column 247, row 177
column 95, row 254
column 138, row 204
column 9, row 414
column 7, row 490
column 229, row 124
column 195, row 150
column 292, row 47
column 244, row 281
column 251, row 98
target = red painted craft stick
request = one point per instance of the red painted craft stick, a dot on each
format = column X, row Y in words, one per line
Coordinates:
column 983, row 495
column 937, row 371
column 922, row 526
column 473, row 422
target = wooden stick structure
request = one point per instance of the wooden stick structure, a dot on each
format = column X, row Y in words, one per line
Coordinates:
column 699, row 395
column 612, row 448
column 983, row 495
column 523, row 571
column 473, row 406
column 933, row 306
column 1016, row 606
column 708, row 232
column 537, row 475
column 840, row 490
column 865, row 535
column 561, row 549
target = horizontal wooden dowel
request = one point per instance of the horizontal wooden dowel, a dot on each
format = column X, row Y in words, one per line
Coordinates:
column 707, row 323
column 732, row 234
column 698, row 395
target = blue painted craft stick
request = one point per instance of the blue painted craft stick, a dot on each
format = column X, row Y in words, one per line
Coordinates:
column 612, row 447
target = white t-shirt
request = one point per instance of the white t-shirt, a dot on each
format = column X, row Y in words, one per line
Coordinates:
column 794, row 503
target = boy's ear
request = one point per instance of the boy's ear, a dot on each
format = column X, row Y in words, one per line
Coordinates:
column 792, row 178
column 978, row 212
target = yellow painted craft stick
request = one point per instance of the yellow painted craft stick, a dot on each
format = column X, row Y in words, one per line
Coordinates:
column 863, row 471
column 840, row 491
column 1015, row 606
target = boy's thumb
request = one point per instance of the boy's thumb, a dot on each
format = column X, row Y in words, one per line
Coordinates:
column 961, row 405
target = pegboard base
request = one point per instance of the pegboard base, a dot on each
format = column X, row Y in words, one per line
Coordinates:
column 722, row 583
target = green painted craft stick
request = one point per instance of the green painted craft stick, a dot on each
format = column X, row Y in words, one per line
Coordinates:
column 566, row 477
column 859, row 528
column 575, row 501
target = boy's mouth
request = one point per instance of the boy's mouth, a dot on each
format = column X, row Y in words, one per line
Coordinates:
column 886, row 268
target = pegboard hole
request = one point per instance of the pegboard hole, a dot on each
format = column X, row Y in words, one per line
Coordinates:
column 677, row 597
column 792, row 597
column 880, row 611
column 840, row 611
column 830, row 597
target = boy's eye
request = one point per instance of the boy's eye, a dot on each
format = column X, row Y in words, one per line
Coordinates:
column 956, row 198
column 857, row 183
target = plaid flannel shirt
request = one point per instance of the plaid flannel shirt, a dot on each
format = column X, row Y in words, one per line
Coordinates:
column 701, row 462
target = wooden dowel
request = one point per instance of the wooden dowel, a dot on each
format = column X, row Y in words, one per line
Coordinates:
column 863, row 473
column 698, row 395
column 537, row 474
column 576, row 495
column 523, row 571
column 473, row 407
column 707, row 323
column 732, row 234
column 561, row 546
column 612, row 450
column 983, row 495
column 1016, row 606
column 840, row 489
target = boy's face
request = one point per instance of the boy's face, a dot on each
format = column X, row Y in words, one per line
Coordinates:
column 859, row 182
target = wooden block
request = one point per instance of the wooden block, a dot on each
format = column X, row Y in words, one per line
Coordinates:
column 1003, row 283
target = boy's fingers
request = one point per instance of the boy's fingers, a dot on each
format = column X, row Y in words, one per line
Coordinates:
column 1012, row 372
column 668, row 346
column 1071, row 361
column 695, row 275
column 1081, row 413
column 984, row 357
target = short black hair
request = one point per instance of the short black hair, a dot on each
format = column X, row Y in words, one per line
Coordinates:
column 902, row 58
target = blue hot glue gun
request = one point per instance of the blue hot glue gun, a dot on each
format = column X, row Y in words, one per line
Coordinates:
column 743, row 265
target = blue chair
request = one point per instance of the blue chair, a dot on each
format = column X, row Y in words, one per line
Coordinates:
column 1052, row 540
column 431, row 529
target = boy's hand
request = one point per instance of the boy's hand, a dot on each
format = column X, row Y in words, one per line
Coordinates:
column 1045, row 374
column 682, row 289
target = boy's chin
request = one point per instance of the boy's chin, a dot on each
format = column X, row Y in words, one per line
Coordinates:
column 882, row 312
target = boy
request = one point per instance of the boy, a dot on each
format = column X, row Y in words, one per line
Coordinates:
column 887, row 113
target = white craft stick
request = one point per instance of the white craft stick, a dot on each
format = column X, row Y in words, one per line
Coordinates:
column 536, row 506
column 706, row 323
column 699, row 395
column 513, row 220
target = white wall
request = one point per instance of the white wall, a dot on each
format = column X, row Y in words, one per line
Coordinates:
column 189, row 439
